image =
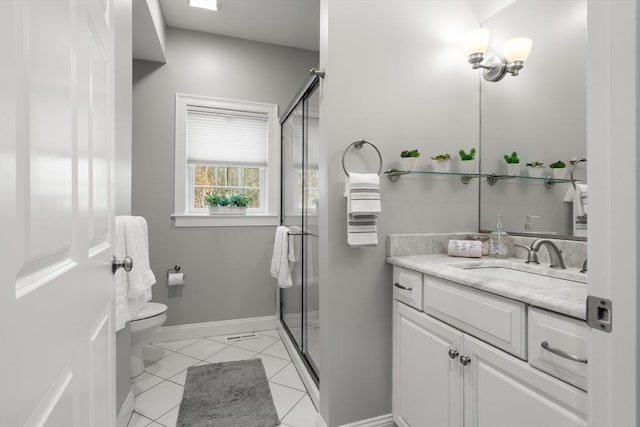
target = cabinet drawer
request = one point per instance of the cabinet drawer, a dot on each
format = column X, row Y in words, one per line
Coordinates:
column 562, row 335
column 407, row 287
column 496, row 320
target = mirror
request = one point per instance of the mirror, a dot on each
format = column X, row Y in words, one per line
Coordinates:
column 540, row 114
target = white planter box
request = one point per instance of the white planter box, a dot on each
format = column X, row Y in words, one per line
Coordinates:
column 536, row 172
column 513, row 169
column 468, row 166
column 408, row 163
column 559, row 173
column 227, row 210
column 441, row 165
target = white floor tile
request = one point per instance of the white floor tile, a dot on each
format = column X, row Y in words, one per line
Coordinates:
column 230, row 354
column 176, row 345
column 138, row 420
column 169, row 419
column 277, row 350
column 154, row 424
column 284, row 398
column 203, row 349
column 151, row 353
column 289, row 377
column 144, row 382
column 272, row 365
column 302, row 415
column 171, row 365
column 179, row 378
column 256, row 344
column 158, row 400
column 272, row 333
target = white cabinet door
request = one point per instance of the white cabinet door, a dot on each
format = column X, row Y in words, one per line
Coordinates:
column 427, row 382
column 56, row 213
column 501, row 391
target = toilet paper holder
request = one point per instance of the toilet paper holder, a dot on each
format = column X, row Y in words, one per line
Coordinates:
column 176, row 269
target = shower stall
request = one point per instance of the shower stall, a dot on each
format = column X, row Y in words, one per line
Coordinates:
column 299, row 304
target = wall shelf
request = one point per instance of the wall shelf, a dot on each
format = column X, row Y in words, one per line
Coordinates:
column 394, row 175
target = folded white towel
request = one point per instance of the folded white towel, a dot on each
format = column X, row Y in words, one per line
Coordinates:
column 579, row 197
column 140, row 277
column 120, row 277
column 362, row 231
column 363, row 194
column 280, row 258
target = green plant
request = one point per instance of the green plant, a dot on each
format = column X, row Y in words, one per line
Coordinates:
column 410, row 153
column 444, row 156
column 465, row 156
column 535, row 164
column 511, row 159
column 558, row 165
column 239, row 200
column 212, row 199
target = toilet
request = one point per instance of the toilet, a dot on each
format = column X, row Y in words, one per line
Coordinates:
column 150, row 318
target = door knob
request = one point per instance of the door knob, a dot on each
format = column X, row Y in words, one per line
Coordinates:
column 464, row 360
column 126, row 263
column 453, row 354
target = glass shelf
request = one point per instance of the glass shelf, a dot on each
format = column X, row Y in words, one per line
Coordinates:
column 492, row 178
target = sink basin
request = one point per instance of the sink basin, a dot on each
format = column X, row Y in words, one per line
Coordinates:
column 517, row 271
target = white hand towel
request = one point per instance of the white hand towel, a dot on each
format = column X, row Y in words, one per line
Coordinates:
column 578, row 196
column 280, row 258
column 120, row 278
column 295, row 243
column 141, row 277
column 362, row 231
column 363, row 195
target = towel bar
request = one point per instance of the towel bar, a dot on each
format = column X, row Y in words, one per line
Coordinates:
column 358, row 145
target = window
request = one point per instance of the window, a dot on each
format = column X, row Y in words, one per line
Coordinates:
column 224, row 147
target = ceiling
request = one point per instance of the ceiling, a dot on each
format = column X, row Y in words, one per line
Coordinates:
column 294, row 23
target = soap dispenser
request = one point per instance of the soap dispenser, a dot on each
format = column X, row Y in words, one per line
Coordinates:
column 499, row 241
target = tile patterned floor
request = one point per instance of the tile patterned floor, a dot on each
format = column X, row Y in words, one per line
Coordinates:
column 158, row 390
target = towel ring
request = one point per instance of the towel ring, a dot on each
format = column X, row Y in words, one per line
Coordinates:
column 358, row 145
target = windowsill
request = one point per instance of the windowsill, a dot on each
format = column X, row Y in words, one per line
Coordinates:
column 205, row 220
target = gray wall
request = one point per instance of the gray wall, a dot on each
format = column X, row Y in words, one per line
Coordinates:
column 396, row 75
column 227, row 268
column 123, row 78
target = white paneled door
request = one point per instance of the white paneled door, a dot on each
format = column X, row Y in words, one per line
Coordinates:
column 56, row 213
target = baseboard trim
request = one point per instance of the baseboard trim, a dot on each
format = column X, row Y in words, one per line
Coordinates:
column 208, row 329
column 124, row 415
column 381, row 421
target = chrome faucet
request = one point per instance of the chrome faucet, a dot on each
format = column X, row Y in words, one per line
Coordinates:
column 555, row 254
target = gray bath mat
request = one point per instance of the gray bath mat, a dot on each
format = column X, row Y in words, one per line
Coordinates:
column 227, row 394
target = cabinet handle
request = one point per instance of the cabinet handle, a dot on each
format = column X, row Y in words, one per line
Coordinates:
column 453, row 354
column 464, row 360
column 398, row 285
column 562, row 353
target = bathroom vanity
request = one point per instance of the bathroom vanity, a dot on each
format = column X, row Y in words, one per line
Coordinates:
column 487, row 343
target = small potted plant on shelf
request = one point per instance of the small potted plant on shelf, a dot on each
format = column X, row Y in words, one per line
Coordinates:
column 468, row 161
column 558, row 170
column 234, row 204
column 408, row 159
column 535, row 169
column 441, row 162
column 513, row 164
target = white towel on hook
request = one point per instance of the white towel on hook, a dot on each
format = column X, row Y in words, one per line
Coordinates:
column 363, row 194
column 280, row 258
column 141, row 278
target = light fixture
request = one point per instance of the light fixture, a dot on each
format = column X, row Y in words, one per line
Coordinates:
column 213, row 5
column 516, row 51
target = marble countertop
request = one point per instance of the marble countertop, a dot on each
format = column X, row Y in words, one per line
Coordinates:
column 568, row 298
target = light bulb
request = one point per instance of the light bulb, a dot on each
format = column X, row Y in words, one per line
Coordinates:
column 476, row 41
column 517, row 49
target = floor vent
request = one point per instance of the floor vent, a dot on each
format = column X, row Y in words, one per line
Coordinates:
column 241, row 337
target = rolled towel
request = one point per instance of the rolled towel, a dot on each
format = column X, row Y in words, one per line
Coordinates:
column 465, row 248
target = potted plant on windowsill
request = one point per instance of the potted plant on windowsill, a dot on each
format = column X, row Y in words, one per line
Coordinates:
column 234, row 204
column 513, row 164
column 558, row 170
column 441, row 162
column 468, row 161
column 408, row 159
column 535, row 169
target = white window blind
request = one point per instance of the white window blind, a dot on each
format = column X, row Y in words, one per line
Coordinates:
column 226, row 137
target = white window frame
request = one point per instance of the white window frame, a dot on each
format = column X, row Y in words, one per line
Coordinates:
column 181, row 212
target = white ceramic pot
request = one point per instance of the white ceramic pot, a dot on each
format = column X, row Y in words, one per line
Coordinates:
column 536, row 172
column 559, row 173
column 221, row 210
column 468, row 166
column 513, row 169
column 408, row 163
column 441, row 165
